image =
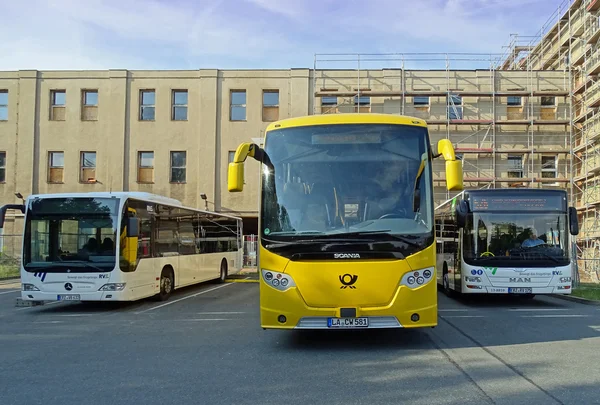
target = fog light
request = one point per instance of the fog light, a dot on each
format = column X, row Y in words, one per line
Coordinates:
column 282, row 319
column 414, row 317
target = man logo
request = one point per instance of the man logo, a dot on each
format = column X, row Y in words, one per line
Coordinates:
column 348, row 280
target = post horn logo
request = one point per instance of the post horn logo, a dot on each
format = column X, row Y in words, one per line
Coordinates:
column 348, row 280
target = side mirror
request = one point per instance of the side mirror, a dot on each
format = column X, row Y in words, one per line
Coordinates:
column 235, row 177
column 462, row 210
column 454, row 170
column 573, row 221
column 454, row 175
column 7, row 207
column 133, row 227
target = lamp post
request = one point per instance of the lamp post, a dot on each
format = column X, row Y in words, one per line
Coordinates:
column 203, row 196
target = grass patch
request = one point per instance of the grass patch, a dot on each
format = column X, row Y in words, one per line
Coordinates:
column 9, row 271
column 589, row 291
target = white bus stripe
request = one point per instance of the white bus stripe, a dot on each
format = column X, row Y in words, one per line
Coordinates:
column 183, row 298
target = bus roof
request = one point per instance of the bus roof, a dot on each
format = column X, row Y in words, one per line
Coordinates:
column 108, row 194
column 138, row 195
column 347, row 118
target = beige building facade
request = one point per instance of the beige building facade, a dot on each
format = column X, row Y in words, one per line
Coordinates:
column 174, row 132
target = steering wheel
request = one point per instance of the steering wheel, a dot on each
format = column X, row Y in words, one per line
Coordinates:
column 485, row 254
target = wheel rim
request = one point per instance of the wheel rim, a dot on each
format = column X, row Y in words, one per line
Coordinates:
column 223, row 270
column 166, row 284
column 446, row 281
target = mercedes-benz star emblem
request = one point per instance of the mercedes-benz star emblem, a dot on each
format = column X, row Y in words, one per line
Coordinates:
column 68, row 286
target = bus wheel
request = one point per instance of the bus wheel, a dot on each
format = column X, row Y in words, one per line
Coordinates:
column 166, row 284
column 223, row 275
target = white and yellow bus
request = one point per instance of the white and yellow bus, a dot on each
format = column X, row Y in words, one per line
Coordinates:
column 121, row 246
column 506, row 241
column 346, row 236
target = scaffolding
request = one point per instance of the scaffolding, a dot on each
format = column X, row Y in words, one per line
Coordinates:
column 494, row 117
column 569, row 41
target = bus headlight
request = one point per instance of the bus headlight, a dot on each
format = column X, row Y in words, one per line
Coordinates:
column 565, row 279
column 418, row 278
column 279, row 281
column 30, row 287
column 112, row 287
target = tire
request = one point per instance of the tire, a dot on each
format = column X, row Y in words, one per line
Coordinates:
column 446, row 282
column 223, row 275
column 167, row 283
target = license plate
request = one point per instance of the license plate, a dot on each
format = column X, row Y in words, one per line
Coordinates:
column 348, row 322
column 520, row 290
column 68, row 297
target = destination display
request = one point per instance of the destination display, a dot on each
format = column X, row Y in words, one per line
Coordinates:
column 517, row 203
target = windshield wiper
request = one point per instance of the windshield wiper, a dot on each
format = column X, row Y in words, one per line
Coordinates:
column 87, row 264
column 383, row 232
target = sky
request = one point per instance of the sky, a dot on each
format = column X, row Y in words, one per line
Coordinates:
column 251, row 34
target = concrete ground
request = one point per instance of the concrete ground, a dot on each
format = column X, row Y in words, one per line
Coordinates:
column 205, row 346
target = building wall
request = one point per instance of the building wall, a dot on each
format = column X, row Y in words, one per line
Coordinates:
column 209, row 133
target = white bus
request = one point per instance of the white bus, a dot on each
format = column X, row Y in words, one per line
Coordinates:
column 506, row 241
column 121, row 246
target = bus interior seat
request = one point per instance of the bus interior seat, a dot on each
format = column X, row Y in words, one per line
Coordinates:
column 317, row 212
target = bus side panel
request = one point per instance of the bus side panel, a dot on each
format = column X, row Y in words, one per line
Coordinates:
column 142, row 282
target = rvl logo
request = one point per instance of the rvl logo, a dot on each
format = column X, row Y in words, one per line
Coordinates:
column 348, row 280
column 556, row 273
column 103, row 276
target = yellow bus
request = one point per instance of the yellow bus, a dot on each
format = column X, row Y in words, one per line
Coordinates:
column 346, row 228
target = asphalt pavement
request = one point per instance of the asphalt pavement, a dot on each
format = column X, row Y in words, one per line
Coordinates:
column 205, row 346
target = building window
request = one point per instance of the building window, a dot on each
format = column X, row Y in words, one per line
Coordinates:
column 549, row 167
column 3, row 105
column 548, row 101
column 56, row 167
column 514, row 101
column 180, row 105
column 270, row 105
column 455, row 109
column 238, row 105
column 58, row 101
column 2, row 167
column 515, row 166
column 87, row 167
column 231, row 156
column 89, row 108
column 147, row 101
column 178, row 160
column 329, row 105
column 420, row 101
column 146, row 167
column 362, row 104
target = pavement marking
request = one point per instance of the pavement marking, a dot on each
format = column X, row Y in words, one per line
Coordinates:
column 203, row 319
column 8, row 292
column 181, row 299
column 220, row 313
column 555, row 316
column 538, row 309
column 463, row 316
column 40, row 306
column 75, row 314
column 241, row 280
column 453, row 310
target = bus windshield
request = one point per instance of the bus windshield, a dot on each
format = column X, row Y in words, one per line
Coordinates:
column 71, row 234
column 347, row 180
column 538, row 239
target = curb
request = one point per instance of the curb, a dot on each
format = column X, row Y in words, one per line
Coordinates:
column 10, row 278
column 579, row 300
